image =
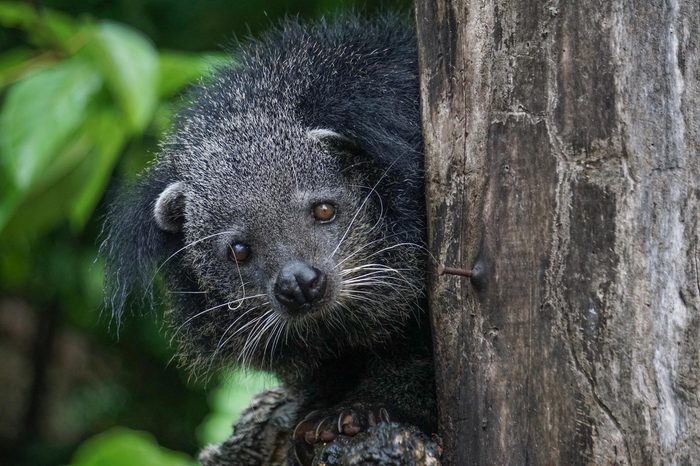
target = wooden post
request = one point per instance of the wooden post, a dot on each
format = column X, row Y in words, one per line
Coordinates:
column 563, row 167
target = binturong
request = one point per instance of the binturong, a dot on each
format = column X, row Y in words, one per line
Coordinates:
column 283, row 221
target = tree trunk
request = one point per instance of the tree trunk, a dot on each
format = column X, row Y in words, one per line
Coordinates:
column 563, row 167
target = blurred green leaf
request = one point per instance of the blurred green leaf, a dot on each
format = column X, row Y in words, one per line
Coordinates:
column 34, row 215
column 179, row 69
column 74, row 180
column 13, row 58
column 17, row 62
column 108, row 135
column 228, row 400
column 44, row 26
column 18, row 15
column 129, row 63
column 39, row 114
column 124, row 447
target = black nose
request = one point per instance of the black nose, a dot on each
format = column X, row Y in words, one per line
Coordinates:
column 298, row 285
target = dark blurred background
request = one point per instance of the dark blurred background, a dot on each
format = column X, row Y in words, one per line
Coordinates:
column 87, row 88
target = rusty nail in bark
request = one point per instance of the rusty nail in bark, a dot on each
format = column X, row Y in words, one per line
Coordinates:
column 442, row 270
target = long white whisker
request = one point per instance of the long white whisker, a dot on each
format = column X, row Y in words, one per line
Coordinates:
column 257, row 334
column 238, row 269
column 371, row 269
column 380, row 217
column 223, row 342
column 378, row 271
column 282, row 326
column 182, row 249
column 363, row 247
column 359, row 209
column 189, row 319
column 415, row 245
column 273, row 331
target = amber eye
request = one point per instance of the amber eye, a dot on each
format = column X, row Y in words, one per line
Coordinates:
column 239, row 252
column 324, row 212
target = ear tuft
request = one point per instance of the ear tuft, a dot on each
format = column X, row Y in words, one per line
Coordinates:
column 169, row 210
column 331, row 138
column 322, row 134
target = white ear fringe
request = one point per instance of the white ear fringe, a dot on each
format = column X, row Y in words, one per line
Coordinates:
column 322, row 134
column 170, row 208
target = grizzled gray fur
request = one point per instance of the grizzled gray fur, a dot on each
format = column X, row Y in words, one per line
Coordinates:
column 285, row 216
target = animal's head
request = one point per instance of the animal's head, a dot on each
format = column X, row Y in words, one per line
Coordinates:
column 282, row 237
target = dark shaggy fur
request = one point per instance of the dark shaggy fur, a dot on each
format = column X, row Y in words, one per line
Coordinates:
column 309, row 113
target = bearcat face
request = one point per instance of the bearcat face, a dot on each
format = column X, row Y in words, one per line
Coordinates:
column 292, row 252
column 284, row 212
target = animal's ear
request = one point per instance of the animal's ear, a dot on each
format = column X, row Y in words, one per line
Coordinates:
column 142, row 229
column 334, row 140
column 386, row 158
column 351, row 155
column 169, row 210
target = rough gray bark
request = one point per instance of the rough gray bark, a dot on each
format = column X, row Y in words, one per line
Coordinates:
column 391, row 444
column 563, row 162
column 261, row 437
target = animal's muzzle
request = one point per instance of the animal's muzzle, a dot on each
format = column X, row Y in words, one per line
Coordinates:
column 298, row 285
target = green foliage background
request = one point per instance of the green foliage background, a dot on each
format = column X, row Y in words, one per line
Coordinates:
column 87, row 88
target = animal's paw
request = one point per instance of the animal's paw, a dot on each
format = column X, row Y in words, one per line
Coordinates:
column 324, row 426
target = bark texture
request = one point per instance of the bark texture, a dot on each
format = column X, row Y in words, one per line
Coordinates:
column 261, row 437
column 563, row 166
